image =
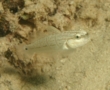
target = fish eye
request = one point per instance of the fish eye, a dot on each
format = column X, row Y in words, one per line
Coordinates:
column 26, row 48
column 78, row 36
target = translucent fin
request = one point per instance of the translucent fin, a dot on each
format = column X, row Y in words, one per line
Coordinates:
column 49, row 31
column 52, row 29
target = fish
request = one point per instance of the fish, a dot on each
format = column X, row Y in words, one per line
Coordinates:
column 63, row 41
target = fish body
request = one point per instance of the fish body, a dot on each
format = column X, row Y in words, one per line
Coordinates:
column 67, row 40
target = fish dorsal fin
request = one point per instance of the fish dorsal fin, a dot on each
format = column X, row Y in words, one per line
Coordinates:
column 49, row 30
column 52, row 29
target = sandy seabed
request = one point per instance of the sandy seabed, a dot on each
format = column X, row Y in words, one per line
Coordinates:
column 87, row 68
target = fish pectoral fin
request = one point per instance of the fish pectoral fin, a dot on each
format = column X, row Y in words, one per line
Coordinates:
column 52, row 29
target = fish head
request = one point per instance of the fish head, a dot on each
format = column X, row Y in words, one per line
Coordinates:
column 78, row 39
